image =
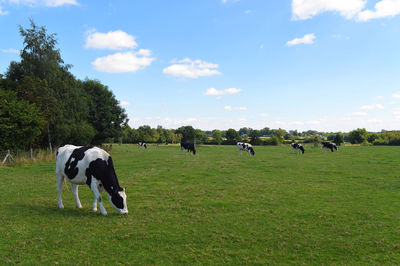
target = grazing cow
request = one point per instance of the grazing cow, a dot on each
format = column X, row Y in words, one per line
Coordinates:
column 94, row 167
column 245, row 147
column 189, row 147
column 298, row 147
column 142, row 144
column 329, row 145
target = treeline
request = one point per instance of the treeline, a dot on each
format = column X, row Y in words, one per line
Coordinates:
column 43, row 105
column 265, row 136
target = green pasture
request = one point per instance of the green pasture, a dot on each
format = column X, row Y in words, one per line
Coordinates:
column 212, row 208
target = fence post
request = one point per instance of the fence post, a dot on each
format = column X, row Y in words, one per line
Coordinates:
column 8, row 156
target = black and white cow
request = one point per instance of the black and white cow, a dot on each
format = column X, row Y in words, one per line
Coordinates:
column 189, row 147
column 245, row 147
column 298, row 147
column 329, row 145
column 94, row 167
column 142, row 144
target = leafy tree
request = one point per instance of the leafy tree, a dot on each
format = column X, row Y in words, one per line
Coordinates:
column 188, row 133
column 105, row 114
column 339, row 138
column 216, row 134
column 232, row 136
column 358, row 136
column 20, row 122
column 255, row 137
column 244, row 131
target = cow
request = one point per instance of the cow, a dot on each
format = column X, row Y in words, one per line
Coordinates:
column 245, row 147
column 94, row 167
column 298, row 147
column 142, row 144
column 189, row 147
column 329, row 145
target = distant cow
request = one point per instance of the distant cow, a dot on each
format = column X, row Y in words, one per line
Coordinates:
column 298, row 147
column 329, row 145
column 94, row 167
column 245, row 147
column 189, row 147
column 142, row 144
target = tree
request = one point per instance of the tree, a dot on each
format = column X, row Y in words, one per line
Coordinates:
column 20, row 122
column 358, row 136
column 255, row 137
column 216, row 134
column 232, row 136
column 339, row 138
column 105, row 114
column 188, row 133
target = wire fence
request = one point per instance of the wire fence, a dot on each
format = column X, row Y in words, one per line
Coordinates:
column 11, row 157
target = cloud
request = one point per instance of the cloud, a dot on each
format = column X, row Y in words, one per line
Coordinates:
column 3, row 13
column 372, row 107
column 123, row 62
column 124, row 103
column 383, row 8
column 350, row 9
column 214, row 92
column 306, row 9
column 396, row 95
column 10, row 51
column 230, row 108
column 188, row 68
column 112, row 40
column 48, row 3
column 359, row 113
column 306, row 39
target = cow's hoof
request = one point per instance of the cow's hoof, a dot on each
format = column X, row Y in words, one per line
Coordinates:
column 94, row 210
column 104, row 213
column 61, row 206
column 79, row 207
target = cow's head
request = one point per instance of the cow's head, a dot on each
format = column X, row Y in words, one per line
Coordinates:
column 252, row 152
column 118, row 200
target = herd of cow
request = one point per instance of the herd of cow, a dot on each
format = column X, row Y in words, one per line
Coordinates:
column 94, row 167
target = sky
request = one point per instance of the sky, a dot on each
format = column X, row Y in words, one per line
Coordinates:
column 326, row 65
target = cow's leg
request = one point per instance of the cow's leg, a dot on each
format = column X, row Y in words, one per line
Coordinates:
column 94, row 206
column 97, row 196
column 60, row 180
column 74, row 190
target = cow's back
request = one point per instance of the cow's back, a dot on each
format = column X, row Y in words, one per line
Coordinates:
column 72, row 161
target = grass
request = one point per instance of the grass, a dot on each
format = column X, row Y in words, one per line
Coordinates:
column 213, row 208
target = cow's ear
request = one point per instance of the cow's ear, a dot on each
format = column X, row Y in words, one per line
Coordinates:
column 124, row 188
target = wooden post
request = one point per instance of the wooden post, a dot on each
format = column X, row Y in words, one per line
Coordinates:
column 31, row 151
column 8, row 156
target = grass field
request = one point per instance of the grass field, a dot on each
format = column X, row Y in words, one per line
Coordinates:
column 213, row 208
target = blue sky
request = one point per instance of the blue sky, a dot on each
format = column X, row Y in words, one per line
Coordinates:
column 329, row 65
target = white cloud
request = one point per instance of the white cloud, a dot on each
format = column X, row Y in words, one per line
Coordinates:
column 248, row 11
column 396, row 95
column 383, row 8
column 306, row 9
column 242, row 108
column 10, row 51
column 188, row 68
column 306, row 39
column 113, row 40
column 214, row 92
column 359, row 113
column 263, row 114
column 350, row 9
column 124, row 103
column 122, row 62
column 48, row 3
column 372, row 107
column 3, row 13
column 228, row 108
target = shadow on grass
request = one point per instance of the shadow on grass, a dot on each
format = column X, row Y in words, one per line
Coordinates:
column 23, row 208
